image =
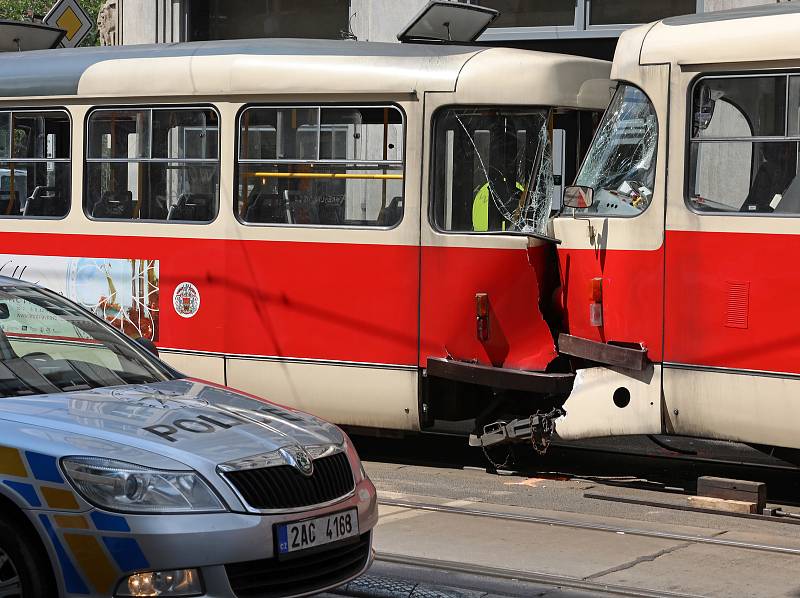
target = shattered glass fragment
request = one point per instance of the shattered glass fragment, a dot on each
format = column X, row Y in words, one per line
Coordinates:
column 621, row 163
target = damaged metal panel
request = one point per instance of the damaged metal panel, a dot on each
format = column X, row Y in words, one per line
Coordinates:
column 612, row 402
column 518, row 335
column 632, row 358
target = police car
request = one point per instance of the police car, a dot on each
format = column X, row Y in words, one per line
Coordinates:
column 120, row 477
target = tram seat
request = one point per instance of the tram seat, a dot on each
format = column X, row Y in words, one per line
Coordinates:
column 265, row 208
column 114, row 204
column 195, row 207
column 45, row 201
column 391, row 214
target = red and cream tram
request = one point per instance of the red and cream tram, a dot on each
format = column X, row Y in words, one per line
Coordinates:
column 677, row 263
column 355, row 229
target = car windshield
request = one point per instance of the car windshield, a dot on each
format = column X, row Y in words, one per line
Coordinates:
column 621, row 163
column 48, row 345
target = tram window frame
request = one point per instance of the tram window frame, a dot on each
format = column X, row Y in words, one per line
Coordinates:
column 690, row 162
column 152, row 108
column 344, row 164
column 11, row 159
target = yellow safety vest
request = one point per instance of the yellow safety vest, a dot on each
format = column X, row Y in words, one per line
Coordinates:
column 480, row 209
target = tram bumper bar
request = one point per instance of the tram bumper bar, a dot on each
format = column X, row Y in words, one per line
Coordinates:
column 628, row 357
column 500, row 378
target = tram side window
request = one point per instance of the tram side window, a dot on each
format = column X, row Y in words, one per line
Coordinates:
column 153, row 164
column 321, row 166
column 744, row 145
column 493, row 169
column 34, row 164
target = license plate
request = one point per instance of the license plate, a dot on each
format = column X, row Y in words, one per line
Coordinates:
column 301, row 535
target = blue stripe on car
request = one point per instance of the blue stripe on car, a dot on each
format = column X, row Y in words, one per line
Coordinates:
column 110, row 523
column 72, row 579
column 26, row 491
column 126, row 553
column 44, row 467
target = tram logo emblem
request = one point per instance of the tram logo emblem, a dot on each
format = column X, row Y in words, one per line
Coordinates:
column 298, row 458
column 186, row 300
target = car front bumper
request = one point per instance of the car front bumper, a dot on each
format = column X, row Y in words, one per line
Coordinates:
column 235, row 553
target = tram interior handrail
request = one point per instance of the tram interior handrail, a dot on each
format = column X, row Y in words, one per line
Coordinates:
column 325, row 175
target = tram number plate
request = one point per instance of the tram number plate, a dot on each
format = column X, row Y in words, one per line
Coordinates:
column 310, row 533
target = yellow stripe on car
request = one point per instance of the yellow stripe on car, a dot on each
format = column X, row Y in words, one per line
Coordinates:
column 93, row 561
column 71, row 522
column 11, row 463
column 59, row 499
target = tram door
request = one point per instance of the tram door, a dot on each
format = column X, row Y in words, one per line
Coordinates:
column 732, row 341
column 611, row 260
column 480, row 293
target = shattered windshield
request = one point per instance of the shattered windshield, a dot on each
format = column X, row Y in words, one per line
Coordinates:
column 493, row 170
column 621, row 163
column 48, row 345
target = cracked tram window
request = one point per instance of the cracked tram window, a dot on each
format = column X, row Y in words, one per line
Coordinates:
column 621, row 163
column 493, row 170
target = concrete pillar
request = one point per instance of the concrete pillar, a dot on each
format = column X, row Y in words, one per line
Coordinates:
column 382, row 20
column 151, row 21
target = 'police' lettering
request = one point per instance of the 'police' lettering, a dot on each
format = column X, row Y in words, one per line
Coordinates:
column 202, row 424
column 164, row 431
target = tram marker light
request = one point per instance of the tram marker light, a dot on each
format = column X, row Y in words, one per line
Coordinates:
column 596, row 290
column 482, row 316
column 596, row 305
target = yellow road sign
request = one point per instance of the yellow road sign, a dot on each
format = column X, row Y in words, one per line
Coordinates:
column 69, row 16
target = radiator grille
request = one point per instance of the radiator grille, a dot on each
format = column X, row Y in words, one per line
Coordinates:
column 270, row 578
column 283, row 487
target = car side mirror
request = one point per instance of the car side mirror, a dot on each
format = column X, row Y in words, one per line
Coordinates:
column 147, row 344
column 578, row 197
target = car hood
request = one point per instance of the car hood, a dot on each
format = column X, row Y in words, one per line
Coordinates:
column 190, row 421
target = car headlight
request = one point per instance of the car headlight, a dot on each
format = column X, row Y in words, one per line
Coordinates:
column 120, row 486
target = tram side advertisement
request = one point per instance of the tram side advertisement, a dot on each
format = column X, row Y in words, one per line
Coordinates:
column 123, row 292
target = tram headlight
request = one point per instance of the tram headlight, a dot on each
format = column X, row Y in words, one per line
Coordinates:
column 120, row 486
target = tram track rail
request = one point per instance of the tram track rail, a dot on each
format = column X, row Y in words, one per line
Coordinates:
column 600, row 527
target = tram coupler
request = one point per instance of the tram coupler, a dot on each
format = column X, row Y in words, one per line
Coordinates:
column 536, row 429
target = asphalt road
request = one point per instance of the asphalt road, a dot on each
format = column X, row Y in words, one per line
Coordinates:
column 548, row 537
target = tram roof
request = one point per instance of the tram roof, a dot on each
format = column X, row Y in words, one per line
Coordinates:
column 295, row 66
column 752, row 34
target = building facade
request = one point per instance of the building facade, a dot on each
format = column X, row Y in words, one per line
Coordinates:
column 589, row 27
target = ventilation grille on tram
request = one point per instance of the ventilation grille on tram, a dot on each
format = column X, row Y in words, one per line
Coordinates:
column 284, row 487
